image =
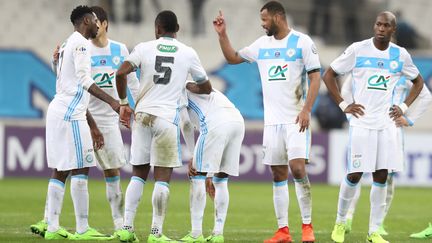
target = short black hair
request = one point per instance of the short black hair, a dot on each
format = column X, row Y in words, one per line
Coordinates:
column 78, row 13
column 167, row 20
column 274, row 7
column 100, row 14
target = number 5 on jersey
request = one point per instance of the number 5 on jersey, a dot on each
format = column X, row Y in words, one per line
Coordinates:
column 161, row 68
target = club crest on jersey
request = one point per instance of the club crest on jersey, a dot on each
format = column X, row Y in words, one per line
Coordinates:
column 291, row 52
column 378, row 82
column 116, row 60
column 394, row 65
column 277, row 73
column 104, row 80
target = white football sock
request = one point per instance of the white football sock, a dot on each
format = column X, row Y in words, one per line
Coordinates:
column 160, row 204
column 197, row 200
column 115, row 198
column 304, row 198
column 80, row 198
column 353, row 205
column 346, row 195
column 377, row 205
column 46, row 207
column 133, row 196
column 389, row 194
column 55, row 202
column 281, row 202
column 221, row 203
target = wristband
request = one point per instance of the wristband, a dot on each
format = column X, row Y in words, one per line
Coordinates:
column 124, row 101
column 403, row 107
column 343, row 105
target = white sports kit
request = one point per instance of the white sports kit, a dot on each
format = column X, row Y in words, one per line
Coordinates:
column 221, row 129
column 68, row 140
column 165, row 64
column 105, row 63
column 375, row 73
column 283, row 66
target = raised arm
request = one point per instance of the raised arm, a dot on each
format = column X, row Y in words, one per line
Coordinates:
column 228, row 51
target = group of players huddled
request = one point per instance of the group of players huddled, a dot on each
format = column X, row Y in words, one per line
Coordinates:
column 173, row 94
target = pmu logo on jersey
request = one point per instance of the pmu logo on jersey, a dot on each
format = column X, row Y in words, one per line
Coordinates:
column 378, row 82
column 104, row 80
column 166, row 48
column 277, row 73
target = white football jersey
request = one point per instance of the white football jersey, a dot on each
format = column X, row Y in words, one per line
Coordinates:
column 165, row 64
column 73, row 79
column 283, row 66
column 105, row 62
column 374, row 75
column 400, row 93
column 207, row 111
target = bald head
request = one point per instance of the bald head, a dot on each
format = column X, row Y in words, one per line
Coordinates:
column 389, row 16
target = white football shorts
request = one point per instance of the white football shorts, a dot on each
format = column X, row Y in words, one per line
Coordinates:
column 218, row 150
column 155, row 141
column 112, row 154
column 284, row 142
column 371, row 149
column 68, row 144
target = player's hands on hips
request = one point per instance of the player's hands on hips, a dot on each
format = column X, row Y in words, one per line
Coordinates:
column 191, row 170
column 219, row 23
column 303, row 120
column 97, row 137
column 125, row 115
column 395, row 112
column 210, row 189
column 401, row 122
column 56, row 54
column 356, row 110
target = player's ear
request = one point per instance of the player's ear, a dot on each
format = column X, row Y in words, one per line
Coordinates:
column 177, row 28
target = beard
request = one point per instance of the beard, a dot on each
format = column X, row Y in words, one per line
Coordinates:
column 94, row 33
column 272, row 30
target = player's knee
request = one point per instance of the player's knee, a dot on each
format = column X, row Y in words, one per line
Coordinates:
column 354, row 177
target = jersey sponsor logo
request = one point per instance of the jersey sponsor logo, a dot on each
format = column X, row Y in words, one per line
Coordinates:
column 167, row 48
column 103, row 62
column 378, row 82
column 81, row 49
column 104, row 80
column 277, row 73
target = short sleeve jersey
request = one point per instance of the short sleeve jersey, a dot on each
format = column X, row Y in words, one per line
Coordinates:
column 283, row 66
column 165, row 65
column 105, row 62
column 73, row 79
column 375, row 74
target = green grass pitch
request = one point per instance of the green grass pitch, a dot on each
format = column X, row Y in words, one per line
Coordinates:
column 250, row 216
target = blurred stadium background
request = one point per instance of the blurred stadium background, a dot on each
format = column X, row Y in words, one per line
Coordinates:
column 30, row 30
